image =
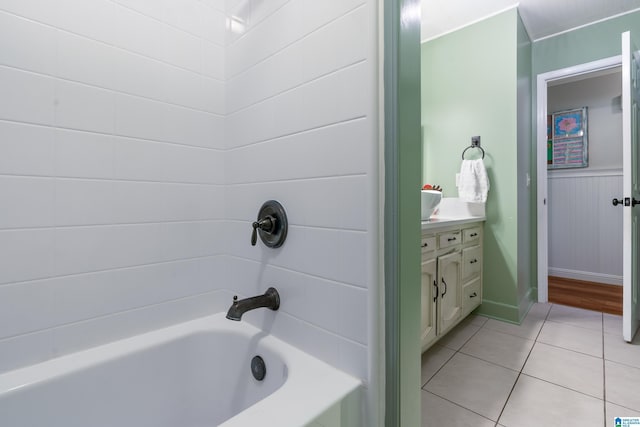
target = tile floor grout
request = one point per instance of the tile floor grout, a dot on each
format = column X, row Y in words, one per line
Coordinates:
column 520, row 373
column 459, row 406
column 535, row 340
column 452, row 356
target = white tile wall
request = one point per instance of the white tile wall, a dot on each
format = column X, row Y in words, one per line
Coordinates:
column 111, row 171
column 138, row 140
column 26, row 149
column 300, row 128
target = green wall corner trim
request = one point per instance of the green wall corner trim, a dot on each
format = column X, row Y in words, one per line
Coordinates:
column 403, row 153
column 526, row 302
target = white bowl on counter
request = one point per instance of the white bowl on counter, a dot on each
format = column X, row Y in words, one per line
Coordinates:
column 429, row 201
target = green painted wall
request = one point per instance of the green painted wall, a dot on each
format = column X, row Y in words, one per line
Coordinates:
column 586, row 44
column 525, row 196
column 596, row 41
column 469, row 87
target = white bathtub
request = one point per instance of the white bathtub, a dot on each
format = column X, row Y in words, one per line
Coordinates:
column 192, row 374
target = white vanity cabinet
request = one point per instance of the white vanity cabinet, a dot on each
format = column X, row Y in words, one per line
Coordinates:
column 451, row 277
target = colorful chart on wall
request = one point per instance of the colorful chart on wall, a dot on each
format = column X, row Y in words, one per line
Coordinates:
column 568, row 145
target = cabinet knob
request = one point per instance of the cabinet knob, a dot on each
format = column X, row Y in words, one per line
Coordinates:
column 424, row 245
column 473, row 295
column 451, row 239
column 473, row 261
column 445, row 288
column 435, row 283
column 473, row 234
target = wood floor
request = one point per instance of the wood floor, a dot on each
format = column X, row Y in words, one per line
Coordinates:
column 589, row 295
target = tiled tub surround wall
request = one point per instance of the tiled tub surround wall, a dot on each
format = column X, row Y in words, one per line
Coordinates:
column 111, row 170
column 138, row 142
column 301, row 128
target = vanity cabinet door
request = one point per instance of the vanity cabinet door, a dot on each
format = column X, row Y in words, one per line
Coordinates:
column 429, row 296
column 450, row 285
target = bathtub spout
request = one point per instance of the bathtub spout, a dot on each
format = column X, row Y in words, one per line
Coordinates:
column 270, row 300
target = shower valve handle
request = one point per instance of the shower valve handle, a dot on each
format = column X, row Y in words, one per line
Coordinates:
column 266, row 224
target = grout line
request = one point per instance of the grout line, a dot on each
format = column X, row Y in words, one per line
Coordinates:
column 113, row 269
column 568, row 349
column 115, row 224
column 302, row 273
column 166, row 23
column 440, row 368
column 307, row 178
column 312, row 275
column 107, row 134
column 305, row 227
column 300, row 132
column 572, row 324
column 113, row 43
column 324, row 329
column 113, row 90
column 288, row 45
column 523, row 365
column 455, row 351
column 114, row 315
column 562, row 386
column 114, row 180
column 459, row 406
column 297, row 133
column 296, row 87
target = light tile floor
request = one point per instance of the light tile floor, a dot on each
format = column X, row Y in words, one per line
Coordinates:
column 562, row 366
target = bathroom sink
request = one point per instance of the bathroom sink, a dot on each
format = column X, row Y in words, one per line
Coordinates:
column 429, row 200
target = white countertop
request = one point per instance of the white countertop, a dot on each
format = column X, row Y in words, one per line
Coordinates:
column 453, row 211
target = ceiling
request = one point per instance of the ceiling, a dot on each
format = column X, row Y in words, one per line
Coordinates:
column 541, row 17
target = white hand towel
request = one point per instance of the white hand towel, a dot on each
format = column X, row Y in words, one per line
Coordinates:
column 473, row 182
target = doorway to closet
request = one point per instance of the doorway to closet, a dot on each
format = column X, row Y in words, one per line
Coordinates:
column 585, row 228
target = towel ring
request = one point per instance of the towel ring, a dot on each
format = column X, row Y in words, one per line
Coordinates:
column 473, row 146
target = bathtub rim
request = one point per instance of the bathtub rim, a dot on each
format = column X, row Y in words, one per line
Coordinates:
column 312, row 384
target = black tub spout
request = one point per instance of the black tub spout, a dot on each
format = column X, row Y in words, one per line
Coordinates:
column 270, row 300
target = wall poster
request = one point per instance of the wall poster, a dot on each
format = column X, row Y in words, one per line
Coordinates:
column 567, row 139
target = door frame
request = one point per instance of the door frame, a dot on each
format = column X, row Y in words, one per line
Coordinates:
column 541, row 158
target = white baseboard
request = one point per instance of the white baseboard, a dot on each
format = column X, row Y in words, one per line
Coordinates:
column 587, row 276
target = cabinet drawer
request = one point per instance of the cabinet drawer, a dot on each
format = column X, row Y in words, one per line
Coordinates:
column 428, row 244
column 471, row 261
column 448, row 239
column 471, row 235
column 471, row 295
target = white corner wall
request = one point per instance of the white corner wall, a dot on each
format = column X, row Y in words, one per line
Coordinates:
column 138, row 140
column 111, row 170
column 302, row 129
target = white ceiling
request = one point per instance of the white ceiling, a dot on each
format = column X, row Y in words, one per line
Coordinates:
column 541, row 17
